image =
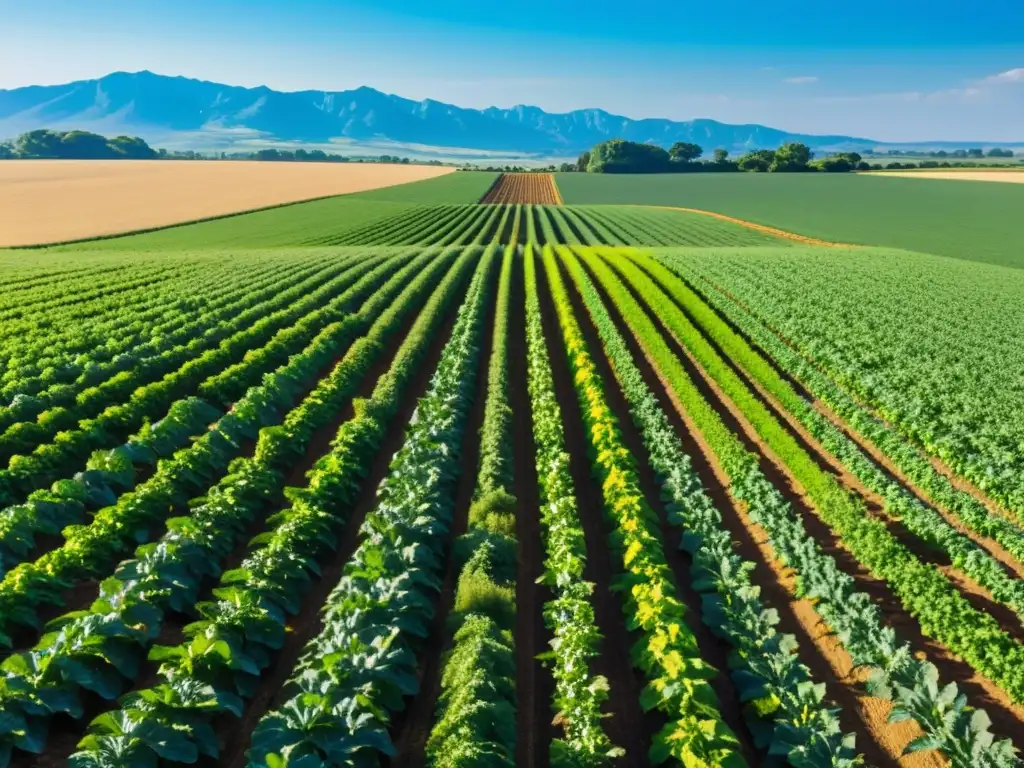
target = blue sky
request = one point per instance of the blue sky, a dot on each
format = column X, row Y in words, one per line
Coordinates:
column 900, row 71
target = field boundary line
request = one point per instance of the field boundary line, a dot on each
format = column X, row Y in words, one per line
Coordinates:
column 554, row 188
column 782, row 233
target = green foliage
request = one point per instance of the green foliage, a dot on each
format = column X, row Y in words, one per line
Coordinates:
column 791, row 158
column 684, row 152
column 79, row 145
column 621, row 156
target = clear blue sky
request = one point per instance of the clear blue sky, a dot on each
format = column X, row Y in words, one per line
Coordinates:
column 896, row 71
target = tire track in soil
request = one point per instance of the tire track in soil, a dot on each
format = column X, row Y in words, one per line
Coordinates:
column 534, row 685
column 1007, row 717
column 411, row 727
column 712, row 649
column 234, row 734
column 66, row 732
column 978, row 595
column 818, row 649
column 887, row 466
column 628, row 725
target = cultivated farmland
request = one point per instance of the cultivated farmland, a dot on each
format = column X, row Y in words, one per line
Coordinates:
column 421, row 477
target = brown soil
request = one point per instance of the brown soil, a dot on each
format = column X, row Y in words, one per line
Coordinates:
column 234, row 734
column 712, row 649
column 49, row 201
column 628, row 726
column 411, row 727
column 534, row 686
column 979, row 596
column 524, row 188
column 778, row 586
column 1007, row 718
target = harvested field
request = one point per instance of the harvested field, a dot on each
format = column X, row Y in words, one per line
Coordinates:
column 1010, row 175
column 525, row 189
column 50, row 201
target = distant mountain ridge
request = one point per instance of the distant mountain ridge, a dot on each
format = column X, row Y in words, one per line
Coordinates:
column 156, row 106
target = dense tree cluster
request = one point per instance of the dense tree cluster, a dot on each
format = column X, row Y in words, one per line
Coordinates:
column 75, row 145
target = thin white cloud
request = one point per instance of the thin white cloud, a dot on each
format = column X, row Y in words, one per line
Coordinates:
column 802, row 80
column 1009, row 76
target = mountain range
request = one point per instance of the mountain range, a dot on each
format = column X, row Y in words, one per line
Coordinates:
column 176, row 110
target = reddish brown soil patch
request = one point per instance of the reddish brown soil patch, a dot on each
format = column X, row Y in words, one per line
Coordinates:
column 524, row 189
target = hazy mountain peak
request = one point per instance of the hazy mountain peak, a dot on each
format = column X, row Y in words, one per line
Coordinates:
column 157, row 106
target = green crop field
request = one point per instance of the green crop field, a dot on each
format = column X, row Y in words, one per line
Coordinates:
column 402, row 478
column 973, row 220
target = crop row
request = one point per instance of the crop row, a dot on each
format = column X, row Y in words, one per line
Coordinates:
column 476, row 709
column 244, row 625
column 950, row 725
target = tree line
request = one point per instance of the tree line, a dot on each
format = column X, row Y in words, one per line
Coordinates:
column 621, row 156
column 44, row 144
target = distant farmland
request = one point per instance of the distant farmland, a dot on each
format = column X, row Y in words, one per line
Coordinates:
column 979, row 222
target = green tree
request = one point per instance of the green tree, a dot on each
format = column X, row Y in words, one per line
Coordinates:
column 621, row 156
column 720, row 156
column 791, row 158
column 758, row 161
column 583, row 161
column 684, row 152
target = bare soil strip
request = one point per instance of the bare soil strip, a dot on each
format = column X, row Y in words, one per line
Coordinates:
column 534, row 685
column 1007, row 718
column 523, row 189
column 51, row 201
column 411, row 727
column 759, row 227
column 627, row 726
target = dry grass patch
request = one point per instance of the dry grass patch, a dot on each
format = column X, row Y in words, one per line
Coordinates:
column 1010, row 175
column 48, row 201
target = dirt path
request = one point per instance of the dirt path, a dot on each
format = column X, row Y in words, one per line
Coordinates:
column 51, row 201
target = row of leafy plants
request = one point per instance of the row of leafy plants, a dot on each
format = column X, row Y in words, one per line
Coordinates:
column 959, row 731
column 786, row 708
column 98, row 649
column 925, row 592
column 906, row 457
column 276, row 351
column 919, row 519
column 47, row 368
column 193, row 363
column 211, row 673
column 475, row 720
column 579, row 693
column 357, row 671
column 42, row 412
column 107, row 474
column 678, row 679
